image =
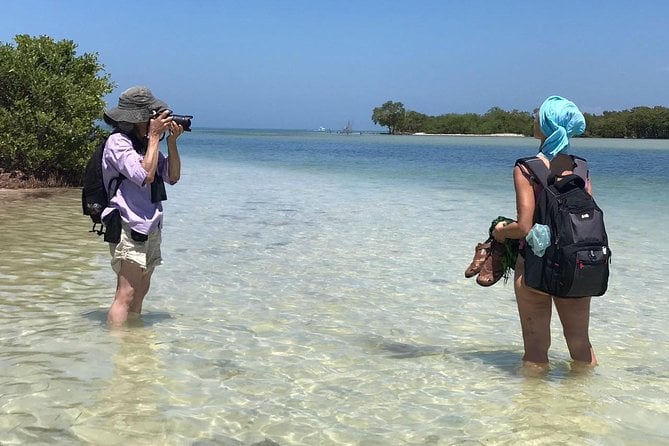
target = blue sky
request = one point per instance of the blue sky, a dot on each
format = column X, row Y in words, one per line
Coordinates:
column 301, row 64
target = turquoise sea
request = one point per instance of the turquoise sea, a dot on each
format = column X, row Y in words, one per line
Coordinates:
column 313, row 294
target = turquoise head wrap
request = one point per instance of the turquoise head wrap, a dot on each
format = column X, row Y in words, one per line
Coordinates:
column 559, row 120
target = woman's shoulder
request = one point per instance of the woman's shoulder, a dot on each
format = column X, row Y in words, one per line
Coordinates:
column 118, row 142
column 119, row 137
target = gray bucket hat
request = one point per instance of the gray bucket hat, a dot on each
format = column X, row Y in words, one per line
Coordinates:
column 136, row 104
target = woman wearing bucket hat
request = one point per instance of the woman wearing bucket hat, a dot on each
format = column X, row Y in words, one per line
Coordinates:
column 134, row 216
column 556, row 121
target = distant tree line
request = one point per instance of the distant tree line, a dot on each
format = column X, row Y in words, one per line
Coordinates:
column 639, row 122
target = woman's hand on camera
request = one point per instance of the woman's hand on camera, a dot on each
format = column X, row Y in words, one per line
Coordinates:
column 160, row 124
column 175, row 131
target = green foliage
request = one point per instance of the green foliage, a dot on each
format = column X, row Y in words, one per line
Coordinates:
column 639, row 122
column 398, row 120
column 50, row 99
column 413, row 122
column 391, row 115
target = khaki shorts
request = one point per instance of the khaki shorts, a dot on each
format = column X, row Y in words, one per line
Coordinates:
column 145, row 254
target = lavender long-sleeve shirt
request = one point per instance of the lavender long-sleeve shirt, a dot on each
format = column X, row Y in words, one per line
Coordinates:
column 133, row 198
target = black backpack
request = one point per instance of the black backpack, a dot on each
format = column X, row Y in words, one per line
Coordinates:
column 576, row 263
column 94, row 197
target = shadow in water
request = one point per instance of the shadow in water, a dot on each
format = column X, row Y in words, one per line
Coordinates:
column 227, row 441
column 511, row 362
column 400, row 350
column 506, row 360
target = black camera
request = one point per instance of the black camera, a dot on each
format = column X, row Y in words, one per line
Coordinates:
column 182, row 120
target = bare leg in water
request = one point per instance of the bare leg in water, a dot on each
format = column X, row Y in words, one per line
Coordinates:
column 534, row 309
column 575, row 317
column 132, row 285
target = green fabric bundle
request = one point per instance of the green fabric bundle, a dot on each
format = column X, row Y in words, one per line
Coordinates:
column 510, row 248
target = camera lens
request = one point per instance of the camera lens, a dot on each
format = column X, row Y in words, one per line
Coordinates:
column 183, row 121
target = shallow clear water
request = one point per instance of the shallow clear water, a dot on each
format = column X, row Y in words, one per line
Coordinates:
column 313, row 294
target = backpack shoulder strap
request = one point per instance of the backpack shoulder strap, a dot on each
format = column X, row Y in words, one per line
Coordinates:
column 537, row 169
column 117, row 184
column 116, row 181
column 581, row 167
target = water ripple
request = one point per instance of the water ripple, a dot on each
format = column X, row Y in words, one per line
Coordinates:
column 320, row 306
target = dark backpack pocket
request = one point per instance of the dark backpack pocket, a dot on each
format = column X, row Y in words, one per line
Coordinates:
column 112, row 222
column 93, row 202
column 534, row 270
column 584, row 271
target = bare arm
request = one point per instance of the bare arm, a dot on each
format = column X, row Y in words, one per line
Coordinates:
column 157, row 127
column 524, row 209
column 150, row 161
column 173, row 159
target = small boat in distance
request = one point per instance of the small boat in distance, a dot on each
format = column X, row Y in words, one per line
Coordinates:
column 348, row 130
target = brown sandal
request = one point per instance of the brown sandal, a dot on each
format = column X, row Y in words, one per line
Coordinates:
column 480, row 253
column 492, row 269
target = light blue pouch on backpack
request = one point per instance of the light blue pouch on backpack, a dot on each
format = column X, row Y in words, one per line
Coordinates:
column 539, row 238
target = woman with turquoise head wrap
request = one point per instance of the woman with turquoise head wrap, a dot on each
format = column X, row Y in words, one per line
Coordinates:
column 556, row 121
column 559, row 120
